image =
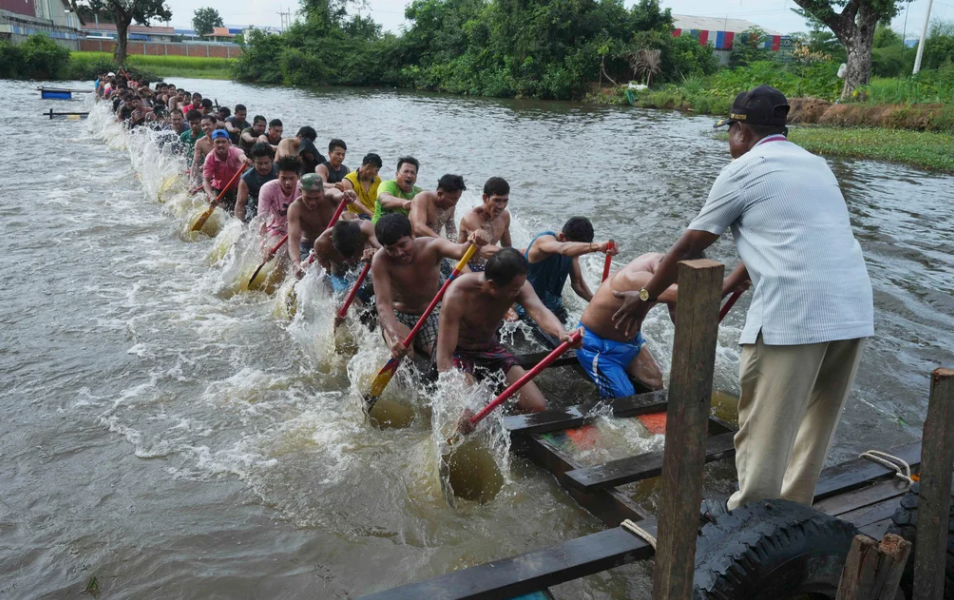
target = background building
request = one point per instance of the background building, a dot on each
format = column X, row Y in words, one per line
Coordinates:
column 54, row 18
column 722, row 35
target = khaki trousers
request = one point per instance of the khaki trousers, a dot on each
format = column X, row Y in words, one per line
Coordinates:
column 792, row 398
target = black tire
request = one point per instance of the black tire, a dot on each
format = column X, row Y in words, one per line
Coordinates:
column 905, row 521
column 771, row 550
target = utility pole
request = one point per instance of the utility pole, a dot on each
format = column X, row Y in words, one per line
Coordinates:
column 924, row 31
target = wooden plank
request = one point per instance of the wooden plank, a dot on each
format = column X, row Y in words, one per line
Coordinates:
column 934, row 505
column 644, row 466
column 873, row 513
column 690, row 400
column 860, row 472
column 581, row 414
column 877, row 529
column 511, row 577
column 873, row 571
column 610, row 506
column 853, row 500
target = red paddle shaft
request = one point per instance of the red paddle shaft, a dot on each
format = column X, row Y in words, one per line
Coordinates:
column 609, row 259
column 331, row 223
column 513, row 389
column 728, row 305
column 354, row 290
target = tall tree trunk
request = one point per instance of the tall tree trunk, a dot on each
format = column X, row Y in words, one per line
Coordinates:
column 855, row 28
column 858, row 42
column 122, row 36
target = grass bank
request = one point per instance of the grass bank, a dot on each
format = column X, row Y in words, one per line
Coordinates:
column 923, row 149
column 161, row 66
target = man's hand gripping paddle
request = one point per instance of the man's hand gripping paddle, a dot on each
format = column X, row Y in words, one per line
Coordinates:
column 609, row 259
column 208, row 213
column 384, row 376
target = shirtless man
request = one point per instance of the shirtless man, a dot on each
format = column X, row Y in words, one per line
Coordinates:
column 611, row 358
column 333, row 170
column 290, row 146
column 274, row 201
column 309, row 215
column 474, row 307
column 433, row 211
column 203, row 145
column 341, row 248
column 407, row 277
column 493, row 217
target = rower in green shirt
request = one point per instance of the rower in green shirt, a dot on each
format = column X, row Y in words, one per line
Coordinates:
column 194, row 132
column 394, row 195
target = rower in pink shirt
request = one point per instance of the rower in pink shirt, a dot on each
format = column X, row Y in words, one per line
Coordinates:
column 275, row 197
column 220, row 168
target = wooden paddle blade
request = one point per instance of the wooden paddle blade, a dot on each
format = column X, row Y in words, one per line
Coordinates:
column 381, row 382
column 255, row 274
column 654, row 422
column 200, row 223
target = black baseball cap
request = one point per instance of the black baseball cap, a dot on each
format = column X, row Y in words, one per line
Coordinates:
column 763, row 105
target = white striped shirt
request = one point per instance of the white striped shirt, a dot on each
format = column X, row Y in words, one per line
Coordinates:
column 792, row 231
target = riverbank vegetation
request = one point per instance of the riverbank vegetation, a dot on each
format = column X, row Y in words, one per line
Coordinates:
column 892, row 98
column 92, row 63
column 927, row 150
column 552, row 49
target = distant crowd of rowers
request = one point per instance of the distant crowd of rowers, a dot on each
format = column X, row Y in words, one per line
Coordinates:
column 410, row 236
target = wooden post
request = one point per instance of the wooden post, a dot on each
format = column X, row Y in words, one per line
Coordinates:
column 690, row 395
column 873, row 571
column 937, row 456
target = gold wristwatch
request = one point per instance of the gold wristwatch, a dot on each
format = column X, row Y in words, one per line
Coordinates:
column 644, row 295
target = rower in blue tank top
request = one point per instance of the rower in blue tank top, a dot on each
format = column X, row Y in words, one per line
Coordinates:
column 555, row 256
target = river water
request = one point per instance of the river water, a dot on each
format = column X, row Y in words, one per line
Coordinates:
column 177, row 440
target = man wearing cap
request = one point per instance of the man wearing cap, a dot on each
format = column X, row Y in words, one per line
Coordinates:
column 220, row 168
column 310, row 214
column 811, row 307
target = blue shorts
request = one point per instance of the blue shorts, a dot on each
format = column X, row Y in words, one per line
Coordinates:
column 341, row 284
column 605, row 361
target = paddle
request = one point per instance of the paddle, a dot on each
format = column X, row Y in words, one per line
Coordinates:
column 267, row 258
column 609, row 259
column 352, row 294
column 208, row 213
column 728, row 305
column 384, row 376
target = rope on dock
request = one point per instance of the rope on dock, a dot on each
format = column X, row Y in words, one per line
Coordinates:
column 902, row 468
column 631, row 526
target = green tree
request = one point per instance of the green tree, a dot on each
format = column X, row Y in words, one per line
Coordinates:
column 205, row 20
column 124, row 12
column 855, row 27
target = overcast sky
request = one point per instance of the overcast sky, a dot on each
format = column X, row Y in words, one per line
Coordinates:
column 769, row 14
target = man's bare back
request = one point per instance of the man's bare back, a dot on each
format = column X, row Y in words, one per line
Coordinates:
column 287, row 147
column 428, row 219
column 598, row 316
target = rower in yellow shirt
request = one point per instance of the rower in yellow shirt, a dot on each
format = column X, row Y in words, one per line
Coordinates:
column 364, row 182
